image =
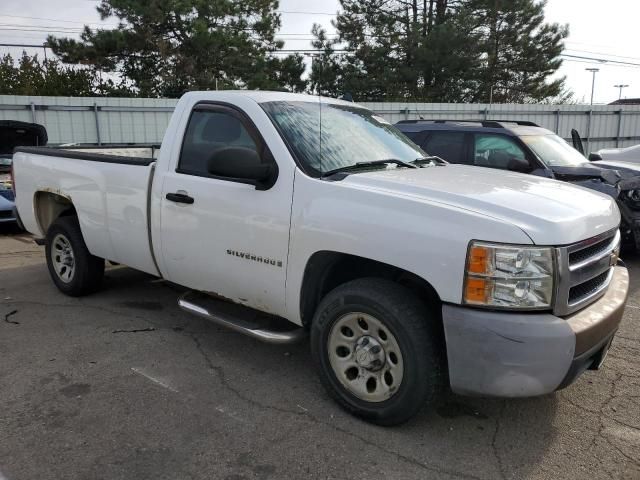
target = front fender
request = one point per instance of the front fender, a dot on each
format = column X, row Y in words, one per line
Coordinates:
column 426, row 238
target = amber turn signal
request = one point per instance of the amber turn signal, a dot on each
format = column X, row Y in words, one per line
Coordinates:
column 476, row 290
column 478, row 260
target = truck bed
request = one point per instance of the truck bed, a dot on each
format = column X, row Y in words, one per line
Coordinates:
column 129, row 155
column 109, row 191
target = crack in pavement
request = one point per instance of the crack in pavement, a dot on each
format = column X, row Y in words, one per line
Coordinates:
column 6, row 317
column 494, row 439
column 307, row 415
column 136, row 330
column 601, row 416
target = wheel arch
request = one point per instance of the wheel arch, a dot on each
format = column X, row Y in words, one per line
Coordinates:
column 326, row 270
column 48, row 206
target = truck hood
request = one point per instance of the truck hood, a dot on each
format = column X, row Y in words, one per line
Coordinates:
column 550, row 212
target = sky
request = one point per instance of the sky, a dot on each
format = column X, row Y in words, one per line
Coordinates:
column 607, row 30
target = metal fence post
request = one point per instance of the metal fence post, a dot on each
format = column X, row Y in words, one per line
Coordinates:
column 95, row 114
column 588, row 142
column 557, row 121
column 406, row 113
column 33, row 112
column 619, row 128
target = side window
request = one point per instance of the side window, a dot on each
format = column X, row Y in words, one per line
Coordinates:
column 207, row 132
column 446, row 145
column 496, row 151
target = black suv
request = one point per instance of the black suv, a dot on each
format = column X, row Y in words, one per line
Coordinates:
column 527, row 148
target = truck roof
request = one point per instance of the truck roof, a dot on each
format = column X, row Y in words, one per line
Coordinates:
column 262, row 96
column 518, row 129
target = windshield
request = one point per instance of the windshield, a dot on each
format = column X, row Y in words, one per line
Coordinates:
column 350, row 135
column 554, row 151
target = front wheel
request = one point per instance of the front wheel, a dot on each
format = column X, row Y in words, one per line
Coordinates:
column 379, row 352
column 72, row 267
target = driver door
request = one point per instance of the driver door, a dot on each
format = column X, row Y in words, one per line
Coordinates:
column 218, row 234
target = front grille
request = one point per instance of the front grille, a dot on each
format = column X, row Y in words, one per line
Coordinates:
column 584, row 290
column 584, row 271
column 6, row 214
column 581, row 255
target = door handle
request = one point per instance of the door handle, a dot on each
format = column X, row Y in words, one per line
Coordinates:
column 180, row 198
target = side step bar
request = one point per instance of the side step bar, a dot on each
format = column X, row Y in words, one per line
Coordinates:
column 262, row 326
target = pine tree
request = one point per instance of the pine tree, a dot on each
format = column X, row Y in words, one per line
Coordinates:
column 30, row 76
column 441, row 51
column 520, row 52
column 164, row 47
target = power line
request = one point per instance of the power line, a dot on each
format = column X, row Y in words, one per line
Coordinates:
column 601, row 53
column 56, row 20
column 600, row 60
column 42, row 27
column 306, row 13
column 23, row 45
column 566, row 56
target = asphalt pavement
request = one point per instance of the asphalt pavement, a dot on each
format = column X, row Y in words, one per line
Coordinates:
column 124, row 385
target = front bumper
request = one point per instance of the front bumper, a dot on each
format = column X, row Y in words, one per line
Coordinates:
column 508, row 354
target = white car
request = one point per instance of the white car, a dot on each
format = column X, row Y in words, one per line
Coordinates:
column 286, row 214
column 627, row 154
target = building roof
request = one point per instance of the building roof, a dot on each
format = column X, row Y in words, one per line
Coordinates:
column 626, row 101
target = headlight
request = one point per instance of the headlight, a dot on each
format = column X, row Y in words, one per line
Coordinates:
column 633, row 198
column 508, row 276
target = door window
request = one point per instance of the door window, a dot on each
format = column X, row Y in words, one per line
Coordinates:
column 207, row 132
column 496, row 151
column 447, row 145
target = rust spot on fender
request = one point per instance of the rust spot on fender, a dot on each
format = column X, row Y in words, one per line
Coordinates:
column 55, row 191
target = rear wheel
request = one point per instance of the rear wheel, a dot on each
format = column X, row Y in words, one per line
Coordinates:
column 379, row 353
column 72, row 268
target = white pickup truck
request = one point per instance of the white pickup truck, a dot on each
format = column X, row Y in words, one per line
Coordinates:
column 285, row 214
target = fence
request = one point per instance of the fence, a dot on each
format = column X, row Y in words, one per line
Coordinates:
column 144, row 120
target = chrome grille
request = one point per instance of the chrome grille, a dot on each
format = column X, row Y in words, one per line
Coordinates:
column 585, row 270
column 588, row 252
column 584, row 290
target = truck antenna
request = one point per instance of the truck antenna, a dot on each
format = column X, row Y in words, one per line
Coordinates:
column 318, row 86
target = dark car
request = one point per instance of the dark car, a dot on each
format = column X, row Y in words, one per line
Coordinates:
column 527, row 148
column 12, row 135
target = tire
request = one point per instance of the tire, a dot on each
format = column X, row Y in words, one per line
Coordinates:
column 72, row 268
column 396, row 320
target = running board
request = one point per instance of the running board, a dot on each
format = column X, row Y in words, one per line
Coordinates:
column 262, row 326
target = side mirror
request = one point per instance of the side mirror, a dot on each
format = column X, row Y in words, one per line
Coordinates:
column 518, row 165
column 241, row 164
column 594, row 157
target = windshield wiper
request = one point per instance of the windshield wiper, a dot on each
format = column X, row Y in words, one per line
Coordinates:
column 365, row 165
column 430, row 159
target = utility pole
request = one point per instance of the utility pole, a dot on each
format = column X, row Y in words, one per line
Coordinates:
column 621, row 86
column 593, row 81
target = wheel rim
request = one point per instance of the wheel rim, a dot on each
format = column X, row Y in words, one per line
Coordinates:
column 63, row 258
column 365, row 357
